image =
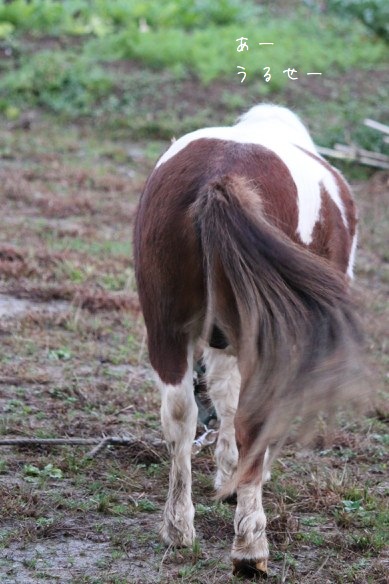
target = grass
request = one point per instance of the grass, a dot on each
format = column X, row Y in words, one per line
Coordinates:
column 212, row 53
column 79, row 17
column 132, row 79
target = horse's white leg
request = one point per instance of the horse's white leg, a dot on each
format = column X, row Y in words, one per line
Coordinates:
column 179, row 420
column 250, row 549
column 223, row 380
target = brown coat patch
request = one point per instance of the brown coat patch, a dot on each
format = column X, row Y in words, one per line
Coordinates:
column 215, row 197
column 168, row 258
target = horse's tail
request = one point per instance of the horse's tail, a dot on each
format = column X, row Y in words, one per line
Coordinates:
column 284, row 309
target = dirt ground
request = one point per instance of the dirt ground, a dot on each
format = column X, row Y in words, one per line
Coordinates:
column 74, row 364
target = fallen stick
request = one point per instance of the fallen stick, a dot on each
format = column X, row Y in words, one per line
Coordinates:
column 357, row 152
column 376, row 126
column 148, row 447
column 100, row 446
column 368, row 161
column 19, row 380
column 43, row 441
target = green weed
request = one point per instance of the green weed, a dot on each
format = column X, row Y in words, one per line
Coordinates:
column 212, row 53
column 59, row 81
column 62, row 354
column 311, row 537
column 146, row 506
column 373, row 13
column 3, row 467
column 33, row 473
column 75, row 83
column 80, row 17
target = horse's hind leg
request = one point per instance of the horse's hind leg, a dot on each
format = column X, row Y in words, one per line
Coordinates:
column 179, row 419
column 223, row 380
column 250, row 549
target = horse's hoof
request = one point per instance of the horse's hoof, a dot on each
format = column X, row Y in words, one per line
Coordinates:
column 177, row 539
column 252, row 569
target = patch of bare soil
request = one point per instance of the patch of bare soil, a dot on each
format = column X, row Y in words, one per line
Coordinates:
column 11, row 306
column 68, row 559
column 81, row 297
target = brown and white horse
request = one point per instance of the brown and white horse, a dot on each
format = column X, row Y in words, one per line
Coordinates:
column 244, row 239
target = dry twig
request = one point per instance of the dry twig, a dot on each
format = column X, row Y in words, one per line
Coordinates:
column 356, row 154
column 366, row 157
column 376, row 126
column 146, row 448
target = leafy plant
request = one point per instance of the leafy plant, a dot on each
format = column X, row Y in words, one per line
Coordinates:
column 60, row 81
column 81, row 17
column 146, row 506
column 32, row 473
column 212, row 52
column 195, row 36
column 373, row 13
column 352, row 506
column 59, row 354
column 6, row 29
column 43, row 522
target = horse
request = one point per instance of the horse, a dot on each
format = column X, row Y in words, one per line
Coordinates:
column 244, row 245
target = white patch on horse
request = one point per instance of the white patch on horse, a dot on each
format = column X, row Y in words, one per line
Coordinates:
column 223, row 381
column 266, row 473
column 281, row 131
column 351, row 261
column 179, row 421
column 281, row 122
